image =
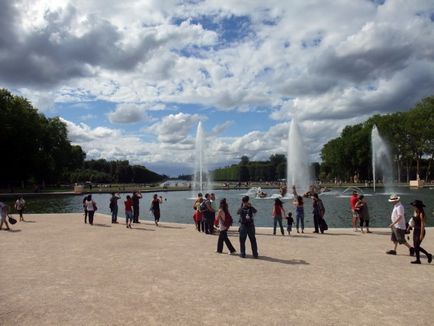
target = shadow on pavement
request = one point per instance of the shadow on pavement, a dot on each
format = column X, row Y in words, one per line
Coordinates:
column 283, row 261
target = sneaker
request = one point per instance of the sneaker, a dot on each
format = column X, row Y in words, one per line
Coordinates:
column 391, row 252
column 429, row 258
column 416, row 262
column 256, row 256
column 231, row 253
column 412, row 252
column 243, row 255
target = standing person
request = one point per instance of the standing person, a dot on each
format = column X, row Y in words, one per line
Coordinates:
column 155, row 207
column 19, row 206
column 136, row 204
column 355, row 216
column 419, row 218
column 128, row 211
column 85, row 209
column 290, row 222
column 215, row 207
column 4, row 215
column 208, row 214
column 197, row 215
column 114, row 206
column 398, row 225
column 361, row 208
column 90, row 207
column 247, row 227
column 224, row 218
column 318, row 214
column 299, row 210
column 277, row 213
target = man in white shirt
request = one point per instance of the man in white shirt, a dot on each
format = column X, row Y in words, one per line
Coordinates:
column 398, row 225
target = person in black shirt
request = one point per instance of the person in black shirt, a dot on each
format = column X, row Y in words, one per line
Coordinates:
column 247, row 227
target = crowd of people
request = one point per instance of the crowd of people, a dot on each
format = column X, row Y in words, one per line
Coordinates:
column 210, row 218
column 131, row 205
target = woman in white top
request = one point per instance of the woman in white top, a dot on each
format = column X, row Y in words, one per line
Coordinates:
column 90, row 206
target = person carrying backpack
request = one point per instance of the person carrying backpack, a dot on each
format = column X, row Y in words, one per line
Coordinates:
column 225, row 221
column 247, row 227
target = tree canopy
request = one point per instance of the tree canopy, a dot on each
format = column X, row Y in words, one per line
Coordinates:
column 410, row 136
column 36, row 149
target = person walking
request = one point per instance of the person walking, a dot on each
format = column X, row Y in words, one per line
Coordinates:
column 223, row 216
column 277, row 214
column 398, row 226
column 353, row 200
column 136, row 206
column 114, row 206
column 90, row 207
column 247, row 227
column 20, row 204
column 318, row 214
column 361, row 208
column 4, row 215
column 299, row 210
column 128, row 211
column 419, row 219
column 155, row 208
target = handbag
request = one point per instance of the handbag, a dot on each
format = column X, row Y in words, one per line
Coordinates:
column 12, row 220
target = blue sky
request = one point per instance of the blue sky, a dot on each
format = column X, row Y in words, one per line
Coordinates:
column 132, row 79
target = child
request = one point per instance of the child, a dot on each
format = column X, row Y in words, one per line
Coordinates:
column 128, row 211
column 290, row 222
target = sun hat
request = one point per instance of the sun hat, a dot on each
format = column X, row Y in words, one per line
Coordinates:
column 417, row 203
column 393, row 198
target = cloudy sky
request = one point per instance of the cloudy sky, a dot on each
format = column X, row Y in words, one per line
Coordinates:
column 132, row 79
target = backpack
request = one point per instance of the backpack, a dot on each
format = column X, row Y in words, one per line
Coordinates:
column 228, row 221
column 202, row 207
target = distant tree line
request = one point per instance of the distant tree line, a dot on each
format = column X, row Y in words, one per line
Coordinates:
column 102, row 171
column 410, row 136
column 272, row 170
column 36, row 150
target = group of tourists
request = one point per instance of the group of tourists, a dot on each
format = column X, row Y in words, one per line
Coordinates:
column 399, row 227
column 131, row 204
column 208, row 218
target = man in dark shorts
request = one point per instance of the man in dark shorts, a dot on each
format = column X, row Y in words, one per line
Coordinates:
column 398, row 225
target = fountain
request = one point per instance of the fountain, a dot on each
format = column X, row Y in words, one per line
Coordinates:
column 297, row 161
column 201, row 178
column 382, row 160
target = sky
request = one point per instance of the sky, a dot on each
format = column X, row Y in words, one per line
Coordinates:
column 132, row 79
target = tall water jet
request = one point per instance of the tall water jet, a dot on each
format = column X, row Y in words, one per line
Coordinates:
column 297, row 160
column 201, row 178
column 381, row 161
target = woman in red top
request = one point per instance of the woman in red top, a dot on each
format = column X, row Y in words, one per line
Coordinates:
column 128, row 211
column 278, row 212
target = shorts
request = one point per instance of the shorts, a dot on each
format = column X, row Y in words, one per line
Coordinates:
column 398, row 235
column 128, row 216
column 355, row 214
